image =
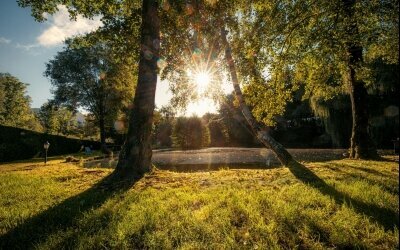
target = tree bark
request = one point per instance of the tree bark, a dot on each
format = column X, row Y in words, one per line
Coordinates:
column 102, row 131
column 262, row 133
column 102, row 127
column 101, row 103
column 361, row 145
column 136, row 153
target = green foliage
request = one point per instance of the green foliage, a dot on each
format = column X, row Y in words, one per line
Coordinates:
column 163, row 122
column 268, row 38
column 56, row 120
column 190, row 133
column 15, row 104
column 91, row 77
column 266, row 101
column 383, row 94
column 60, row 206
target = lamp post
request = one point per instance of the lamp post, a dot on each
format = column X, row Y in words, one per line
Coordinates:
column 46, row 146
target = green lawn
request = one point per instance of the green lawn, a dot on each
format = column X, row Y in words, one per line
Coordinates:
column 337, row 204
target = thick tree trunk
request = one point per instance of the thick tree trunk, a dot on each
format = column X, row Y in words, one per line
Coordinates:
column 361, row 146
column 260, row 132
column 136, row 153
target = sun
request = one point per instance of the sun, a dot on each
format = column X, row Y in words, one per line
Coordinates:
column 201, row 71
column 202, row 78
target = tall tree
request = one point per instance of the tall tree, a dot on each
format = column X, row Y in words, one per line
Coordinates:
column 329, row 47
column 15, row 108
column 261, row 132
column 361, row 144
column 89, row 77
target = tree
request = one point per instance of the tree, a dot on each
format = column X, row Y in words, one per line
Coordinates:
column 163, row 124
column 56, row 120
column 89, row 77
column 329, row 47
column 205, row 28
column 135, row 157
column 15, row 108
column 190, row 133
column 261, row 132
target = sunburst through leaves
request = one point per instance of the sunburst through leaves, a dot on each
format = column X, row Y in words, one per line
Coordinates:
column 201, row 71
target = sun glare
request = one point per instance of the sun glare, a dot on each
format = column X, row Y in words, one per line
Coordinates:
column 202, row 79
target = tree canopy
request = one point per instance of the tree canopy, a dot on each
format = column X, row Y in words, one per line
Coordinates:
column 269, row 49
column 90, row 77
column 15, row 108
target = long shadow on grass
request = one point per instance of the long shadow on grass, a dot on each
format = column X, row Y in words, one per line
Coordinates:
column 385, row 217
column 367, row 170
column 388, row 185
column 66, row 214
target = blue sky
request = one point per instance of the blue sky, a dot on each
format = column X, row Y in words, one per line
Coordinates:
column 26, row 46
column 18, row 34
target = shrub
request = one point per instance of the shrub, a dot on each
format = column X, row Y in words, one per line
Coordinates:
column 19, row 144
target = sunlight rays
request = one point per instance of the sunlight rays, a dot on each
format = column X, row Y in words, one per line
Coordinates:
column 202, row 71
column 201, row 79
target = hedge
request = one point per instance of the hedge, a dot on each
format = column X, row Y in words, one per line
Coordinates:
column 19, row 144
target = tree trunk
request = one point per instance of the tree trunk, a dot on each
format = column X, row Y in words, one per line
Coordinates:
column 104, row 148
column 102, row 131
column 262, row 133
column 361, row 146
column 101, row 102
column 135, row 156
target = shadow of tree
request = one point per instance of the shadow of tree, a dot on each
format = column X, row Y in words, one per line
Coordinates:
column 66, row 214
column 368, row 170
column 385, row 182
column 385, row 217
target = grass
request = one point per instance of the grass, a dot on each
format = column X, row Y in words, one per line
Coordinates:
column 337, row 204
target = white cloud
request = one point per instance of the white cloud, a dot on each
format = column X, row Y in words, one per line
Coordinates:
column 26, row 47
column 4, row 40
column 61, row 27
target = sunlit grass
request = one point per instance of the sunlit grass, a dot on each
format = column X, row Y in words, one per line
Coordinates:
column 52, row 160
column 56, row 206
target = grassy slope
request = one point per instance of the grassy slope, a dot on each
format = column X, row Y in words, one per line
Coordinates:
column 346, row 204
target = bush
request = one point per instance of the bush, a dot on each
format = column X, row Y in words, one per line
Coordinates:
column 190, row 133
column 19, row 144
